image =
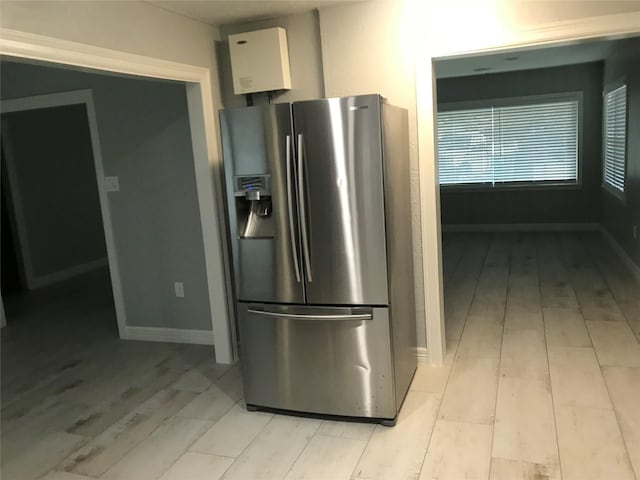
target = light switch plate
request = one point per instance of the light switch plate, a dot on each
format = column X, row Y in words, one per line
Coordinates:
column 111, row 184
column 179, row 289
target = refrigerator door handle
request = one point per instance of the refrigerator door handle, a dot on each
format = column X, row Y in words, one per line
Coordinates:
column 303, row 209
column 294, row 249
column 298, row 316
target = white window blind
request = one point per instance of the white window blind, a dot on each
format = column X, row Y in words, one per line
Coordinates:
column 515, row 144
column 615, row 132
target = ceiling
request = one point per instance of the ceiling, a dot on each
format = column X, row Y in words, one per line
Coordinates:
column 542, row 57
column 221, row 12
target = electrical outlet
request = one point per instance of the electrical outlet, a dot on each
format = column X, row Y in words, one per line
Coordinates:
column 179, row 289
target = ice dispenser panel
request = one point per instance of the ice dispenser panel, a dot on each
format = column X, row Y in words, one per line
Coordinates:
column 254, row 206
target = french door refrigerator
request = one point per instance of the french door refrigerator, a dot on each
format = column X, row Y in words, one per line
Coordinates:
column 320, row 226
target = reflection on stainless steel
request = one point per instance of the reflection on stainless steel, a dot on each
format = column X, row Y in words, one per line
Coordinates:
column 352, row 257
column 344, row 205
column 335, row 367
column 398, row 220
column 303, row 209
column 255, row 221
column 292, row 231
column 355, row 316
column 368, row 405
column 321, row 234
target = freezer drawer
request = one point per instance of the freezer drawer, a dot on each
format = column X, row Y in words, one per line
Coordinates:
column 326, row 360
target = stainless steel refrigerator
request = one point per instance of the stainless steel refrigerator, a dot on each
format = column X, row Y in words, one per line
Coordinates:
column 320, row 226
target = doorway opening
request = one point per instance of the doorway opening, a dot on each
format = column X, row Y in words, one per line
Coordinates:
column 68, row 376
column 522, row 149
column 539, row 249
column 56, row 224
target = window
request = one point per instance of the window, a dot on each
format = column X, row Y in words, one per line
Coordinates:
column 531, row 141
column 615, row 139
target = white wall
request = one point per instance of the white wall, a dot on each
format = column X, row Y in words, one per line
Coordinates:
column 131, row 26
column 536, row 12
column 145, row 140
column 53, row 185
column 453, row 27
column 305, row 58
column 364, row 51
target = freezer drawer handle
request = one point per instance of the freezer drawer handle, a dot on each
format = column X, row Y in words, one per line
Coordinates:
column 359, row 316
column 294, row 249
column 303, row 210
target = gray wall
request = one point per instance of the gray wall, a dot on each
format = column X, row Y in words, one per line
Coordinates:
column 54, row 182
column 145, row 141
column 581, row 204
column 618, row 217
column 305, row 58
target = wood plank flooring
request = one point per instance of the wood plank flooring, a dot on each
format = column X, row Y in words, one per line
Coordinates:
column 541, row 381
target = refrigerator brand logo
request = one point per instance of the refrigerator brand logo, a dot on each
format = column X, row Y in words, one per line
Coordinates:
column 358, row 107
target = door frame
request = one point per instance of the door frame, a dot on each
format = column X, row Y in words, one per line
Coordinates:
column 509, row 38
column 25, row 45
column 75, row 97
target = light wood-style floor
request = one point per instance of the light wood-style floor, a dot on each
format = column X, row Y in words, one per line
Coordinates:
column 541, row 381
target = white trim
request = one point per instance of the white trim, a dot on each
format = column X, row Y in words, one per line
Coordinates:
column 15, row 43
column 75, row 97
column 67, row 273
column 422, row 354
column 430, row 217
column 112, row 253
column 215, row 259
column 553, row 33
column 521, row 227
column 170, row 335
column 564, row 32
column 624, row 256
column 61, row 99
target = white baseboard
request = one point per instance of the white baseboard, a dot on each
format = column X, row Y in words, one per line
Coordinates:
column 624, row 256
column 66, row 274
column 422, row 354
column 169, row 335
column 520, row 227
